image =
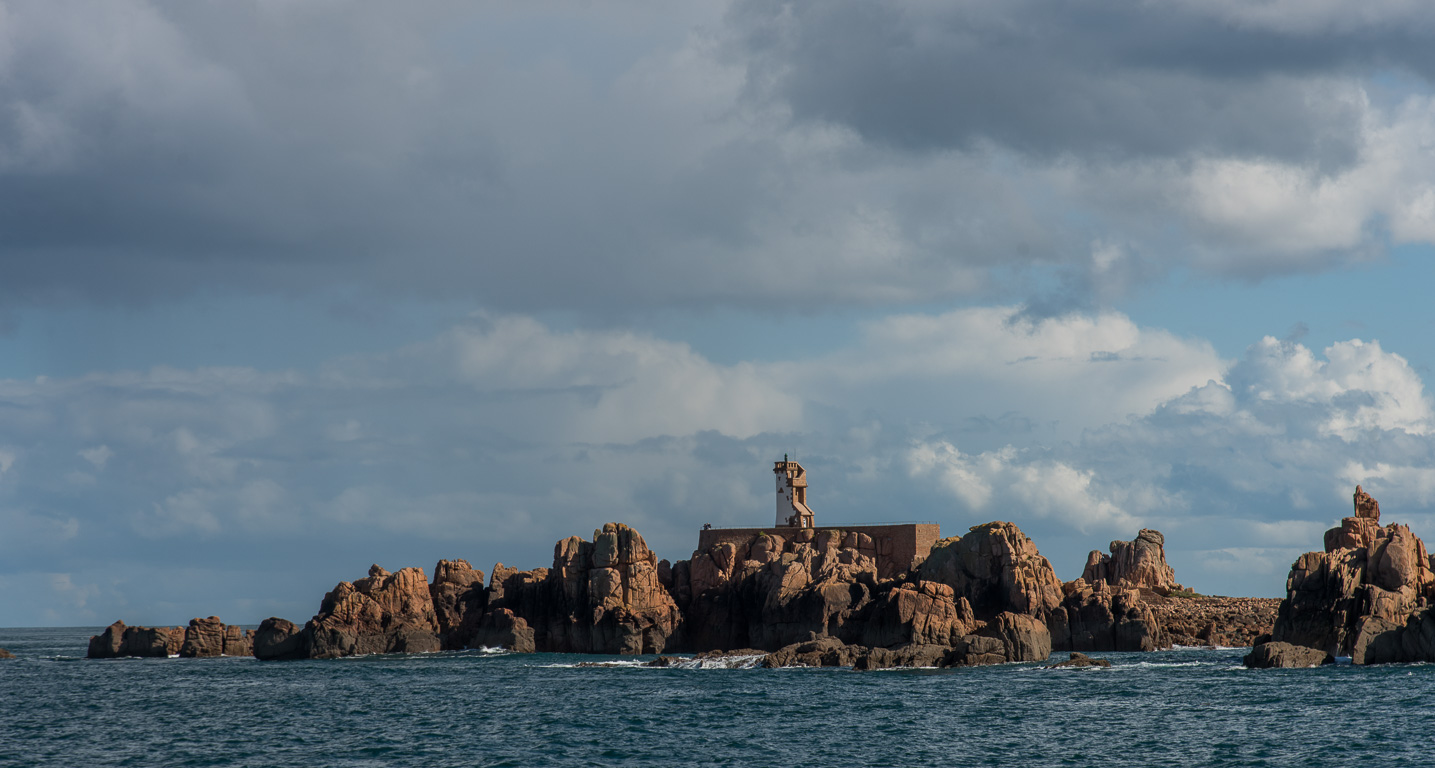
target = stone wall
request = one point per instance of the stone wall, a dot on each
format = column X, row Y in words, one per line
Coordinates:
column 900, row 547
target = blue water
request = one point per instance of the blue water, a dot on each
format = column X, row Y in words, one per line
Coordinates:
column 1185, row 707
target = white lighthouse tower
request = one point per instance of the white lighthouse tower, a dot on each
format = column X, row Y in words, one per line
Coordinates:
column 792, row 509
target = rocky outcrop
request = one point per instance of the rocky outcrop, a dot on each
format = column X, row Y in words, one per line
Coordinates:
column 1079, row 660
column 822, row 587
column 502, row 629
column 771, row 592
column 818, row 652
column 1098, row 617
column 1136, row 564
column 459, row 601
column 107, row 644
column 4, row 654
column 279, row 639
column 1023, row 637
column 906, row 656
column 146, row 642
column 1366, row 507
column 212, row 637
column 996, row 568
column 381, row 613
column 1130, row 601
column 602, row 596
column 1368, row 595
column 921, row 613
column 1285, row 655
column 985, row 597
column 1007, row 638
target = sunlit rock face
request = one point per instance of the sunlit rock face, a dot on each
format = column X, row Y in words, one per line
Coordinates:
column 1367, row 596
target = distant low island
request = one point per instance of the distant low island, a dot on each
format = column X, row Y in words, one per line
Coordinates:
column 862, row 596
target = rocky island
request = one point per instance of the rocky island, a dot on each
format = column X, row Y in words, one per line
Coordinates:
column 865, row 596
column 1366, row 596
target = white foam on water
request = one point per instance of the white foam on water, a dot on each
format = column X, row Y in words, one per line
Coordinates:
column 1161, row 664
column 595, row 665
column 721, row 662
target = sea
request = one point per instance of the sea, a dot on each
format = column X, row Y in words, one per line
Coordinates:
column 1183, row 707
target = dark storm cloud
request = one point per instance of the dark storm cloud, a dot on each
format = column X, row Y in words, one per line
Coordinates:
column 1110, row 77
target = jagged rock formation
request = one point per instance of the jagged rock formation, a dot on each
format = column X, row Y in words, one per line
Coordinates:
column 212, row 637
column 996, row 568
column 1285, row 655
column 985, row 597
column 203, row 637
column 279, row 639
column 1098, row 617
column 1136, row 564
column 772, row 592
column 602, row 596
column 150, row 642
column 381, row 613
column 1130, row 601
column 921, row 613
column 1366, row 507
column 981, row 598
column 459, row 601
column 1367, row 595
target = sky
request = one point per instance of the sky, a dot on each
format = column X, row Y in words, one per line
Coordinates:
column 291, row 288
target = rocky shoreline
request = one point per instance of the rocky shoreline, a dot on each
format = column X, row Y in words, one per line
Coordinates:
column 811, row 599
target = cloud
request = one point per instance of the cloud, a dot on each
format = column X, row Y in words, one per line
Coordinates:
column 1046, row 78
column 97, row 456
column 500, row 435
column 503, row 434
column 795, row 157
column 986, row 362
column 1239, row 472
column 1006, row 483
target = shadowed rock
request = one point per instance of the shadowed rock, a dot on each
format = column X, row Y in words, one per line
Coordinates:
column 1080, row 660
column 212, row 637
column 1285, row 655
column 602, row 596
column 502, row 629
column 459, row 600
column 1098, row 617
column 279, row 639
column 145, row 642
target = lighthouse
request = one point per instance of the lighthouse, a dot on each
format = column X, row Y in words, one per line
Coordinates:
column 792, row 509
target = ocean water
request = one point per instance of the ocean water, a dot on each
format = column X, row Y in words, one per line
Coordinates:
column 473, row 708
